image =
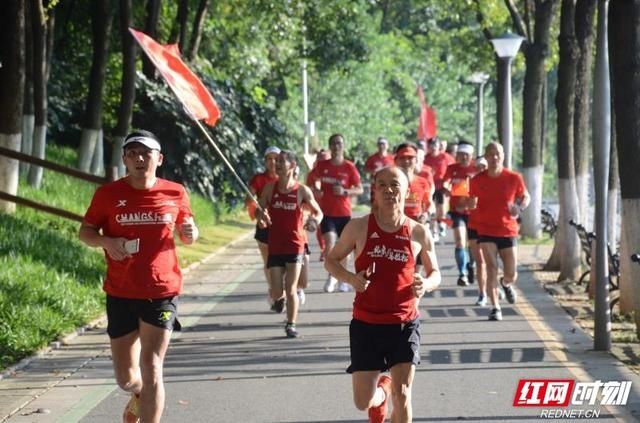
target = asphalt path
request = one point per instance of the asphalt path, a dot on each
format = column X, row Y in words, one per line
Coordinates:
column 233, row 363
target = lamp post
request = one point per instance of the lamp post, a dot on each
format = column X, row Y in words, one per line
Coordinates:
column 506, row 47
column 479, row 78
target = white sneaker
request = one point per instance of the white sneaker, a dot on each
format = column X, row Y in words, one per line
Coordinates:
column 500, row 293
column 344, row 287
column 330, row 284
column 436, row 237
column 302, row 298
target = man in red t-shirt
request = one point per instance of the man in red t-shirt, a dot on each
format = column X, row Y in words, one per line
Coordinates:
column 438, row 161
column 321, row 155
column 133, row 220
column 498, row 195
column 339, row 180
column 384, row 333
column 456, row 183
column 377, row 161
column 256, row 185
column 283, row 202
column 417, row 203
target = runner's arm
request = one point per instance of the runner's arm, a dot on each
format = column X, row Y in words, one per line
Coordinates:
column 346, row 243
column 90, row 235
column 421, row 284
column 262, row 214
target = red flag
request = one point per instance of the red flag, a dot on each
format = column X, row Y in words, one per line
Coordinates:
column 193, row 94
column 427, row 124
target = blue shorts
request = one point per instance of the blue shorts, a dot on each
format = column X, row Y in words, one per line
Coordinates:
column 380, row 347
column 334, row 224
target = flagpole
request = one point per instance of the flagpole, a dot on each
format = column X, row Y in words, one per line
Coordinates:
column 226, row 162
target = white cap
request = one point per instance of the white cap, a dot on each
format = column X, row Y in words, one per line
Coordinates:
column 271, row 150
column 382, row 140
column 465, row 148
column 146, row 141
column 481, row 161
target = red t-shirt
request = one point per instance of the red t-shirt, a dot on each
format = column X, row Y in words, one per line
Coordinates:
column 258, row 182
column 458, row 175
column 329, row 175
column 287, row 236
column 376, row 162
column 438, row 165
column 389, row 298
column 492, row 217
column 150, row 216
column 419, row 197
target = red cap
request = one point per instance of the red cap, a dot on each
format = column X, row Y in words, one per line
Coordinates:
column 406, row 152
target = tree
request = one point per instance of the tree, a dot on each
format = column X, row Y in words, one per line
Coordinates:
column 585, row 13
column 624, row 51
column 151, row 29
column 28, row 117
column 196, row 33
column 11, row 93
column 89, row 146
column 39, row 26
column 536, row 52
column 179, row 28
column 566, row 245
column 127, row 91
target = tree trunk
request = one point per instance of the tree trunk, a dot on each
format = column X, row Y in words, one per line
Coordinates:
column 11, row 94
column 179, row 28
column 101, row 25
column 624, row 51
column 196, row 34
column 97, row 161
column 613, row 231
column 585, row 13
column 28, row 117
column 127, row 91
column 536, row 53
column 151, row 29
column 565, row 101
column 39, row 25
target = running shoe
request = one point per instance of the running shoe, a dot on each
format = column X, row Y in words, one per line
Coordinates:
column 290, row 330
column 344, row 287
column 330, row 284
column 509, row 292
column 500, row 293
column 495, row 314
column 436, row 237
column 471, row 273
column 302, row 298
column 278, row 305
column 443, row 229
column 378, row 414
column 132, row 410
column 481, row 301
column 463, row 280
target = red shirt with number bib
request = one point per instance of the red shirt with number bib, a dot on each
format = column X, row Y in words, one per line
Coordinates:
column 389, row 298
column 438, row 165
column 286, row 234
column 345, row 175
column 459, row 177
column 149, row 215
column 375, row 162
column 419, row 197
column 492, row 217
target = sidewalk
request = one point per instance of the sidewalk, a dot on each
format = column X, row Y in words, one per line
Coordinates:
column 232, row 362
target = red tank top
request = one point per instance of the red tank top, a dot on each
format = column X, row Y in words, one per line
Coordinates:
column 389, row 298
column 286, row 235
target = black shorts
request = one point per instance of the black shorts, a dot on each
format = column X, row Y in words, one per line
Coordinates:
column 459, row 219
column 501, row 242
column 438, row 196
column 280, row 260
column 334, row 224
column 262, row 234
column 472, row 233
column 124, row 314
column 380, row 347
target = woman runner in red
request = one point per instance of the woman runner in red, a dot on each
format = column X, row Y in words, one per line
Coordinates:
column 385, row 330
column 282, row 202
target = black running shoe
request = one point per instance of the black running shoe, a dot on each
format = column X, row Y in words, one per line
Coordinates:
column 509, row 292
column 278, row 305
column 290, row 330
column 471, row 273
column 463, row 281
column 495, row 314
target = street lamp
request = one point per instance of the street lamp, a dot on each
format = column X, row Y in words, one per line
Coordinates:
column 479, row 78
column 506, row 47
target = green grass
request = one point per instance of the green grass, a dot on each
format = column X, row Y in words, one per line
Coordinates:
column 51, row 283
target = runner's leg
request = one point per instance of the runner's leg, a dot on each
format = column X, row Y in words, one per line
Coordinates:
column 490, row 255
column 125, row 355
column 366, row 393
column 154, row 342
column 402, row 375
column 291, row 275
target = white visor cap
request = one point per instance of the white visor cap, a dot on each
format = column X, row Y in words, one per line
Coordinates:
column 146, row 141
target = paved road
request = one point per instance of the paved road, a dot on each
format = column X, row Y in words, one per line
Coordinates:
column 232, row 362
